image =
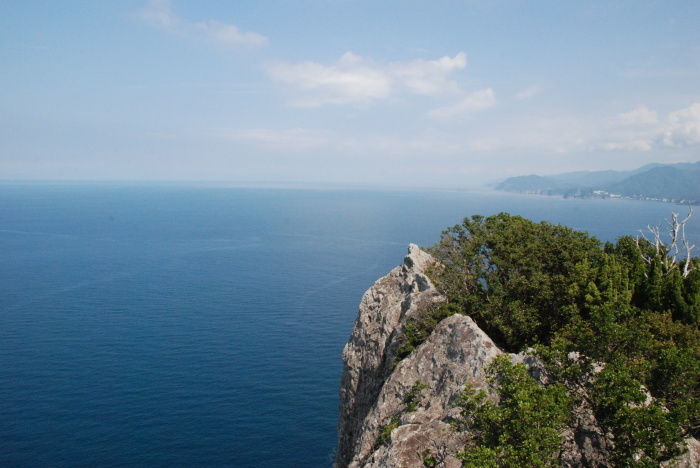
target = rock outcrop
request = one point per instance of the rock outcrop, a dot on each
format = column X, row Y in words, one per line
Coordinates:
column 391, row 412
column 374, row 389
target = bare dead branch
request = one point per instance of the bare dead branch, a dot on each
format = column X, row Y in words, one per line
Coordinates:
column 678, row 251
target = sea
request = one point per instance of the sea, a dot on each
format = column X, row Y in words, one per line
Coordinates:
column 202, row 324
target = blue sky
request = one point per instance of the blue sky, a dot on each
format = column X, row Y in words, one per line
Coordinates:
column 392, row 92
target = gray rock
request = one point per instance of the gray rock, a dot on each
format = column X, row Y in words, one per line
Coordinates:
column 456, row 353
column 690, row 459
column 373, row 390
column 369, row 354
column 374, row 387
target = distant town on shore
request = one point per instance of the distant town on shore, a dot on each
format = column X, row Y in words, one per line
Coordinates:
column 672, row 183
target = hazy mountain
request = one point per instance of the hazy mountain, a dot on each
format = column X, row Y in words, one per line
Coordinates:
column 675, row 182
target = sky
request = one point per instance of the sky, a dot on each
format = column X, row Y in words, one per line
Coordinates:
column 452, row 93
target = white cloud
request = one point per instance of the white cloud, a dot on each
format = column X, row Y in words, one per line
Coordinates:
column 683, row 127
column 472, row 102
column 642, row 115
column 627, row 138
column 626, row 134
column 627, row 144
column 351, row 79
column 636, row 130
column 229, row 34
column 160, row 14
column 354, row 79
column 642, row 130
column 428, row 77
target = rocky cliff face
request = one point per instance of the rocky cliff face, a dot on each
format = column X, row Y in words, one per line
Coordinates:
column 373, row 391
column 377, row 393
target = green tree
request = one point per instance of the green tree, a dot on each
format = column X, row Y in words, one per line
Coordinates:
column 522, row 429
column 615, row 325
column 520, row 280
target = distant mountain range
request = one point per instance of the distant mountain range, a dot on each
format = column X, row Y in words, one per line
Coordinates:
column 679, row 183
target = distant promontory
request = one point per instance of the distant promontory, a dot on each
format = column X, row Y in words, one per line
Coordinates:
column 676, row 183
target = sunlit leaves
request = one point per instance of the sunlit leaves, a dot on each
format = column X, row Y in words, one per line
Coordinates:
column 612, row 324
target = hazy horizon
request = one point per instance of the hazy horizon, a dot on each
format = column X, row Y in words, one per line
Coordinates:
column 453, row 94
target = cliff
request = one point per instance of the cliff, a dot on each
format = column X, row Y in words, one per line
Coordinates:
column 391, row 412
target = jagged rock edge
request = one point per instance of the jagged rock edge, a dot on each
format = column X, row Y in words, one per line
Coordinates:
column 372, row 389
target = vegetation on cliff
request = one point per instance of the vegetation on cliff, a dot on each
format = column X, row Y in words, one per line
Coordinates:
column 522, row 429
column 614, row 325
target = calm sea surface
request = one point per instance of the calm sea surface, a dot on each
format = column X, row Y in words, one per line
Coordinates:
column 203, row 326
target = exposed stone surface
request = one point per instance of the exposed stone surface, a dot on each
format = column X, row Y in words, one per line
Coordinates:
column 690, row 459
column 373, row 391
column 374, row 388
column 454, row 354
column 584, row 443
column 368, row 357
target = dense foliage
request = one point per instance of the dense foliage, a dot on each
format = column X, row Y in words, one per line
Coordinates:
column 522, row 429
column 614, row 324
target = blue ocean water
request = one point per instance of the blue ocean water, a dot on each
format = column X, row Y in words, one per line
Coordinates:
column 198, row 325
